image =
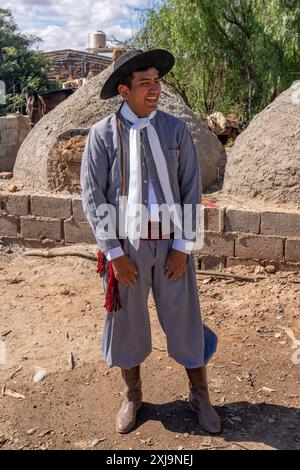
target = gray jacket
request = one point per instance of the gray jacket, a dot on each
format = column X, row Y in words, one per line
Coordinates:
column 101, row 169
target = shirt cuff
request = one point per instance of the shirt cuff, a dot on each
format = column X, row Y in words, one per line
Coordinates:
column 185, row 246
column 114, row 253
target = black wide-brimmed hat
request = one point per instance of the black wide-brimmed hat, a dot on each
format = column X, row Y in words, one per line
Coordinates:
column 131, row 61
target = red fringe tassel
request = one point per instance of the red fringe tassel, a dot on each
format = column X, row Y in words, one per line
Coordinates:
column 112, row 297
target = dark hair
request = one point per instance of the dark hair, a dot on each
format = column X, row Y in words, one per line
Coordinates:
column 127, row 80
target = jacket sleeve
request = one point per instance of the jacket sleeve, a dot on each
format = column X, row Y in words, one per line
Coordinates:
column 190, row 184
column 94, row 175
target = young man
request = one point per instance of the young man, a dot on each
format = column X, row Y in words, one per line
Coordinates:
column 146, row 158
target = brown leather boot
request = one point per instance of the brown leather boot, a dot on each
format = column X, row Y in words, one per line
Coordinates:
column 132, row 402
column 199, row 400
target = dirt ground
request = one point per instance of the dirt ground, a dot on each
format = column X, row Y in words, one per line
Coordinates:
column 51, row 308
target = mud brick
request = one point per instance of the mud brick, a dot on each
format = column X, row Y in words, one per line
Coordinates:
column 78, row 210
column 17, row 204
column 292, row 250
column 78, row 232
column 241, row 262
column 8, row 226
column 53, row 207
column 214, row 219
column 217, row 245
column 259, row 247
column 39, row 227
column 283, row 224
column 212, row 262
column 242, row 221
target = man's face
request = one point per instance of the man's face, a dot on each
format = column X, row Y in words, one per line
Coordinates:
column 144, row 93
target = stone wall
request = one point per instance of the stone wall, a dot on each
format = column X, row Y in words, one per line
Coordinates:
column 13, row 130
column 232, row 236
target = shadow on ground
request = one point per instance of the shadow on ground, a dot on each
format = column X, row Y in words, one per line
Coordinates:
column 274, row 425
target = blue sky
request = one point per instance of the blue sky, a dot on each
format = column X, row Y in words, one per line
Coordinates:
column 65, row 24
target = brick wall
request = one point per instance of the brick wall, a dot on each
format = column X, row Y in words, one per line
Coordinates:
column 75, row 69
column 76, row 64
column 232, row 236
column 36, row 220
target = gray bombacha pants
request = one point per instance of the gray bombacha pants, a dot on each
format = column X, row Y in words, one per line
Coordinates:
column 126, row 338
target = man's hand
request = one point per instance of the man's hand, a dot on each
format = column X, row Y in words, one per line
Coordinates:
column 176, row 264
column 125, row 270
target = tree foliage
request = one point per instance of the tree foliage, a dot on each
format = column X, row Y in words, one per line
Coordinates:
column 231, row 56
column 20, row 66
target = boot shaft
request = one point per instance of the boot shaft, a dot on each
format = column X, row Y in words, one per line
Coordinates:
column 198, row 382
column 200, row 402
column 133, row 384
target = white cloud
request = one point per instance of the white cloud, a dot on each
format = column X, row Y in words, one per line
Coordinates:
column 65, row 24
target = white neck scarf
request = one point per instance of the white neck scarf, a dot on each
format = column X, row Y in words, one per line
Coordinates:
column 133, row 216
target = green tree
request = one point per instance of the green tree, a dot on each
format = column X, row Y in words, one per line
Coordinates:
column 20, row 66
column 231, row 56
